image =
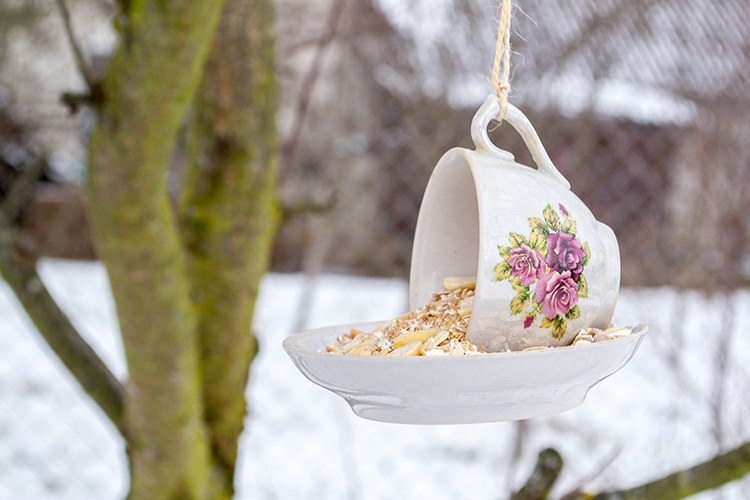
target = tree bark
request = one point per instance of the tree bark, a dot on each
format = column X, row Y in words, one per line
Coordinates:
column 61, row 336
column 146, row 91
column 229, row 210
column 546, row 471
column 714, row 473
column 20, row 272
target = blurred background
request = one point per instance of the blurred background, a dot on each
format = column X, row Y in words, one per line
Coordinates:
column 644, row 105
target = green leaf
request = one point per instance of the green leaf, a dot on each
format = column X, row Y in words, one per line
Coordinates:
column 569, row 226
column 558, row 327
column 587, row 253
column 504, row 252
column 551, row 217
column 536, row 306
column 502, row 271
column 583, row 287
column 574, row 313
column 547, row 323
column 538, row 240
column 536, row 222
column 517, row 286
column 516, row 240
column 519, row 303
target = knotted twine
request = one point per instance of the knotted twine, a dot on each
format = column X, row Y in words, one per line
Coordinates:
column 501, row 67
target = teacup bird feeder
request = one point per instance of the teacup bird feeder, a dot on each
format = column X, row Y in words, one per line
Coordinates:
column 545, row 267
column 545, row 270
column 522, row 232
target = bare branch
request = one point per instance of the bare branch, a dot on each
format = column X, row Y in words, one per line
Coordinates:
column 576, row 491
column 709, row 475
column 308, row 83
column 51, row 322
column 77, row 52
column 548, row 466
column 291, row 212
column 20, row 192
column 353, row 31
column 62, row 337
column 76, row 100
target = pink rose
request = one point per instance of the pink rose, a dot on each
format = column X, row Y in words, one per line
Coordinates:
column 557, row 292
column 526, row 263
column 564, row 253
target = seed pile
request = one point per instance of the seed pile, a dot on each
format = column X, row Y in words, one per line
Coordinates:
column 438, row 328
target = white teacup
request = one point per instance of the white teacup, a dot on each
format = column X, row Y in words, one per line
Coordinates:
column 545, row 266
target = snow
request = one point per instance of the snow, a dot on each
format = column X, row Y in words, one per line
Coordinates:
column 670, row 407
column 573, row 95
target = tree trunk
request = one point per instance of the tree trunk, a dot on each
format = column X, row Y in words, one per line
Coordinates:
column 151, row 80
column 185, row 293
column 229, row 210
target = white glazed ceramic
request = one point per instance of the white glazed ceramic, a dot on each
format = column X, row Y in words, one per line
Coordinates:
column 459, row 389
column 484, row 214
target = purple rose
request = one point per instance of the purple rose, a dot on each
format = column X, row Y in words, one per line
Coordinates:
column 557, row 292
column 526, row 263
column 564, row 253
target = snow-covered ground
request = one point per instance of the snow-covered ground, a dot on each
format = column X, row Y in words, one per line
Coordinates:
column 680, row 400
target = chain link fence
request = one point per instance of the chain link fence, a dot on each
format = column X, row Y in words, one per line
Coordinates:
column 642, row 105
column 647, row 123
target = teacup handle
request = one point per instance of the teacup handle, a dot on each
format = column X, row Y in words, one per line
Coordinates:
column 518, row 120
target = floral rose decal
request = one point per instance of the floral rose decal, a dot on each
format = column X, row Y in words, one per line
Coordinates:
column 546, row 271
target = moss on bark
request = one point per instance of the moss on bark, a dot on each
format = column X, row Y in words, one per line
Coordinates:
column 229, row 209
column 149, row 85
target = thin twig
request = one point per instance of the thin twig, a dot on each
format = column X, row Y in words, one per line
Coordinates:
column 291, row 212
column 521, row 428
column 76, row 100
column 77, row 52
column 601, row 467
column 367, row 24
column 308, row 83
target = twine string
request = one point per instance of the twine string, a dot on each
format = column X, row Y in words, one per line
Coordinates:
column 501, row 66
